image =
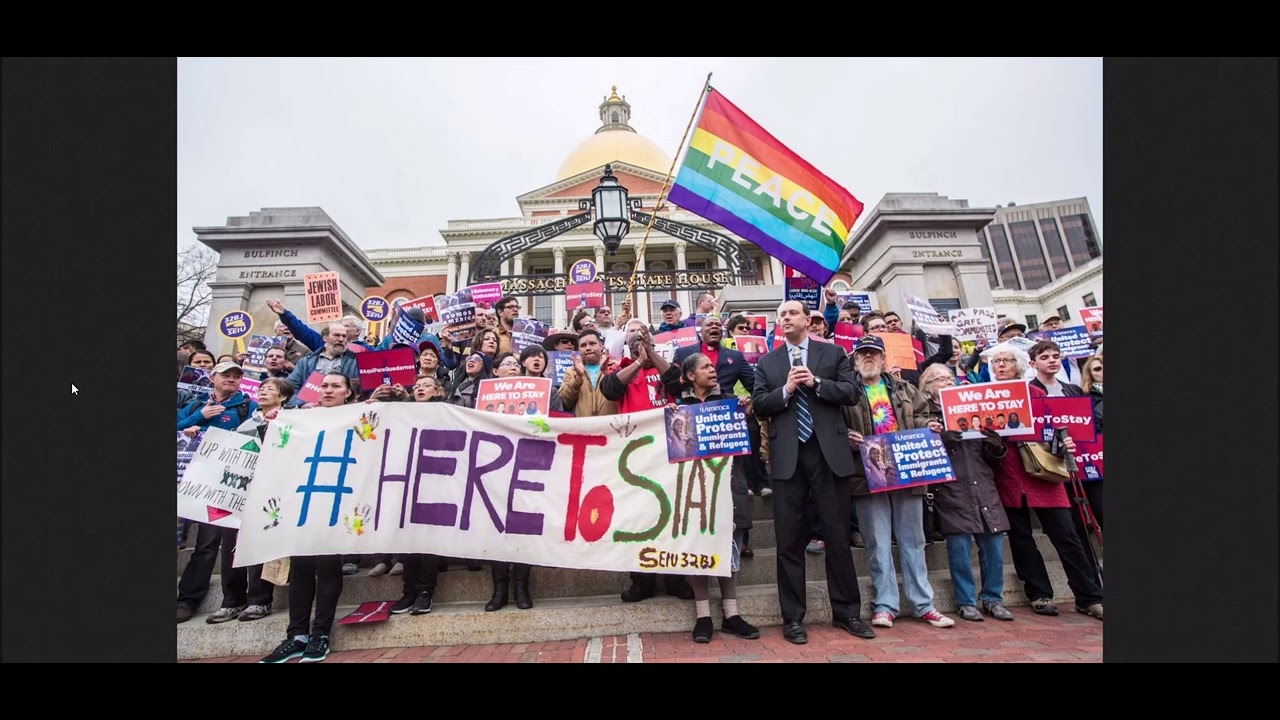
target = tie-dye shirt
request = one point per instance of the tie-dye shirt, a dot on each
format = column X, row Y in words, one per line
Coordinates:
column 882, row 417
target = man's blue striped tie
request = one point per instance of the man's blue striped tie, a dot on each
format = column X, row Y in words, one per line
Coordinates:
column 804, row 421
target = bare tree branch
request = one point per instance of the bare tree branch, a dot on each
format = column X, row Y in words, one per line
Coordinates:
column 197, row 266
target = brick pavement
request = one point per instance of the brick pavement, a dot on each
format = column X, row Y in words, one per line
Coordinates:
column 1069, row 638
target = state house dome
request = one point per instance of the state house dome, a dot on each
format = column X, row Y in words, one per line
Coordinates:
column 614, row 141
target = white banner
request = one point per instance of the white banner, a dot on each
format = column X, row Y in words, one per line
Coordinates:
column 975, row 323
column 588, row 493
column 926, row 317
column 216, row 481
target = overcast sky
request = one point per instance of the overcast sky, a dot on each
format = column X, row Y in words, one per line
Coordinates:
column 393, row 149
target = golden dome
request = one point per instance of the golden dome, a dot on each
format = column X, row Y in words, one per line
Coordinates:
column 614, row 141
column 614, row 146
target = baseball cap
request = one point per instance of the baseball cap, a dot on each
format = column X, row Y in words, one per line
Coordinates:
column 1013, row 326
column 670, row 304
column 227, row 366
column 869, row 342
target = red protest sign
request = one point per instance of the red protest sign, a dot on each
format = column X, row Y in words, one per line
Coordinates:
column 382, row 366
column 370, row 612
column 751, row 347
column 1073, row 413
column 428, row 305
column 584, row 295
column 1001, row 406
column 1092, row 318
column 310, row 392
column 1089, row 459
column 847, row 334
column 515, row 396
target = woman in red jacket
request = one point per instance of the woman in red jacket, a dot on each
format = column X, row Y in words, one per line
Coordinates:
column 1020, row 494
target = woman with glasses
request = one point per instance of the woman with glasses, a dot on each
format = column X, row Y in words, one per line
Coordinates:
column 969, row 508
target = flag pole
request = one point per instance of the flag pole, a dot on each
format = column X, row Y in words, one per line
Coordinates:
column 662, row 194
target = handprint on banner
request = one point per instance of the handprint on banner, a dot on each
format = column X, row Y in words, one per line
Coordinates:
column 272, row 509
column 625, row 429
column 359, row 518
column 541, row 425
column 284, row 435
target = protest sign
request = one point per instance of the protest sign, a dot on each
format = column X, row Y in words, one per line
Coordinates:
column 310, row 390
column 379, row 367
column 486, row 294
column 584, row 295
column 752, row 347
column 974, row 323
column 846, row 334
column 558, row 361
column 1089, row 459
column 1074, row 342
column 515, row 396
column 898, row 351
column 713, row 429
column 213, row 487
column 803, row 288
column 427, row 303
column 406, row 331
column 1001, row 406
column 926, row 317
column 197, row 381
column 668, row 342
column 759, row 325
column 324, row 297
column 526, row 332
column 905, row 459
column 860, row 298
column 1092, row 319
column 458, row 312
column 1073, row 413
column 590, row 493
column 375, row 308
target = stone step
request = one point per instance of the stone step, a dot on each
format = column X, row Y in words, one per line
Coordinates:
column 461, row 585
column 454, row 623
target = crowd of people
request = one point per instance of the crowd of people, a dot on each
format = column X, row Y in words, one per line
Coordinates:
column 810, row 406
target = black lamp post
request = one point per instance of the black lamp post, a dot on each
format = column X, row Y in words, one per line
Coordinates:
column 612, row 211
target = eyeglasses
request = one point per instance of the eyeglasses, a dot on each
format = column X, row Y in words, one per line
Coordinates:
column 1004, row 361
column 509, row 363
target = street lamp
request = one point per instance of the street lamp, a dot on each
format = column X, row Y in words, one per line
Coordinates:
column 612, row 220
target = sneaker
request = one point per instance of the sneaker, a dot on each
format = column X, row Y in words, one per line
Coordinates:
column 766, row 491
column 288, row 650
column 937, row 619
column 184, row 613
column 737, row 626
column 398, row 569
column 379, row 570
column 350, row 568
column 255, row 612
column 422, row 605
column 702, row 630
column 882, row 619
column 317, row 649
column 224, row 615
column 815, row 547
column 1094, row 610
column 999, row 611
column 970, row 613
column 747, row 552
column 404, row 605
column 1044, row 606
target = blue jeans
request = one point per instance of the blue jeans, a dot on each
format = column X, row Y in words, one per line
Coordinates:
column 880, row 517
column 990, row 563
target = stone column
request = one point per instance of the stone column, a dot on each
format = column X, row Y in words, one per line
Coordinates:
column 559, row 308
column 685, row 297
column 451, row 275
column 975, row 288
column 464, row 273
column 775, row 267
column 902, row 278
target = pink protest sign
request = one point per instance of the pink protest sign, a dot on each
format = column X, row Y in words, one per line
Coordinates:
column 382, row 366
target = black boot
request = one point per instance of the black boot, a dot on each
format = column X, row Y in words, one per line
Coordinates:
column 642, row 587
column 524, row 601
column 500, row 585
column 499, row 599
column 678, row 586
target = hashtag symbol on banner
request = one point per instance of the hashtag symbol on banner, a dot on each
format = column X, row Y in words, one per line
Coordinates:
column 338, row 489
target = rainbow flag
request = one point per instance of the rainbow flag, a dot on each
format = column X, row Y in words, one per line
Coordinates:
column 738, row 175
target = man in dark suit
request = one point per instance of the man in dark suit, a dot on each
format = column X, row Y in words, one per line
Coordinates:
column 801, row 386
column 731, row 366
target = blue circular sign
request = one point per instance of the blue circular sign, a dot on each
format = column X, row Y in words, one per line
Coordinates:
column 583, row 271
column 236, row 324
column 374, row 308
